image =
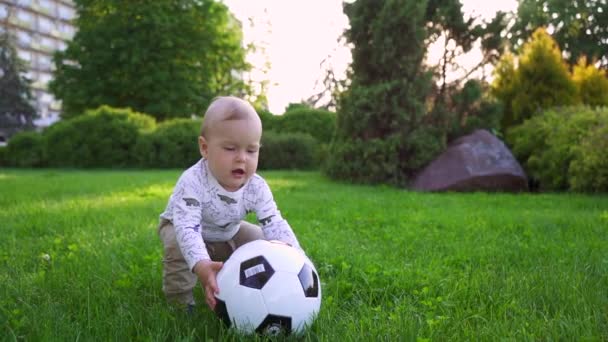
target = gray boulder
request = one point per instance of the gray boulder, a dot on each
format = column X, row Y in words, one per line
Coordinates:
column 476, row 162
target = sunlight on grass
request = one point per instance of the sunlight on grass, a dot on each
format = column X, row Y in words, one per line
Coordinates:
column 4, row 176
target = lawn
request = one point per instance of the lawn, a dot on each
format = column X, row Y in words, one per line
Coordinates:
column 80, row 260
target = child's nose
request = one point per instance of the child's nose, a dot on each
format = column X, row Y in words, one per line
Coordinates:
column 241, row 156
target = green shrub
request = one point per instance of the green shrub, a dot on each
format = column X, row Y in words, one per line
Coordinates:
column 589, row 167
column 172, row 145
column 393, row 160
column 540, row 80
column 26, row 149
column 287, row 151
column 3, row 156
column 591, row 83
column 471, row 110
column 549, row 144
column 270, row 122
column 104, row 137
column 317, row 122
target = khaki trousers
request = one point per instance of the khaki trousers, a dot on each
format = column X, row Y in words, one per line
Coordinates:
column 178, row 278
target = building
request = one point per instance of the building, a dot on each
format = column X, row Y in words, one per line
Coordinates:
column 40, row 27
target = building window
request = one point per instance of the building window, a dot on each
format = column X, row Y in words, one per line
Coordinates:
column 44, row 62
column 24, row 55
column 25, row 17
column 48, row 44
column 47, row 6
column 24, row 38
column 66, row 13
column 45, row 25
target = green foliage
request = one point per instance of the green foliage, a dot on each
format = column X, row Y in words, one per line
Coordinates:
column 288, row 151
column 172, row 145
column 504, row 87
column 541, row 81
column 103, row 137
column 557, row 147
column 269, row 120
column 589, row 168
column 3, row 156
column 580, row 27
column 471, row 110
column 16, row 109
column 166, row 58
column 591, row 83
column 381, row 114
column 319, row 123
column 26, row 149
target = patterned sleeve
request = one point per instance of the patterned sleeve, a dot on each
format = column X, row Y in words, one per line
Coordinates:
column 187, row 221
column 274, row 226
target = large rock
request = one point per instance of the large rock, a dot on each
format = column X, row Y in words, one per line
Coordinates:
column 476, row 162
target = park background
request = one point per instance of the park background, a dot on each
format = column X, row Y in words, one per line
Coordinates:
column 81, row 196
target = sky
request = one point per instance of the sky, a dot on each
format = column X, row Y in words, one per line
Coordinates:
column 295, row 36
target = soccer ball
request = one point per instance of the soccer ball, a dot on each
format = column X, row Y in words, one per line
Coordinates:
column 268, row 287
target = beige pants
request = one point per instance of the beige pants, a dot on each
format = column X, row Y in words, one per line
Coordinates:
column 178, row 279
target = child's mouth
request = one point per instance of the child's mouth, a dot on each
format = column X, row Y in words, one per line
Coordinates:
column 238, row 172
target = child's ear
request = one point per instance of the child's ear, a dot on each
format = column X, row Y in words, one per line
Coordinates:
column 203, row 146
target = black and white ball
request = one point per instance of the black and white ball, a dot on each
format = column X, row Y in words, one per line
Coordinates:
column 269, row 288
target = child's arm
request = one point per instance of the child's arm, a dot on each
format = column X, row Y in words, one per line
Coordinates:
column 187, row 222
column 274, row 226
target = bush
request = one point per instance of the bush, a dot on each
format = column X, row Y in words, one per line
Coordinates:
column 172, row 145
column 471, row 110
column 270, row 122
column 317, row 122
column 393, row 160
column 288, row 151
column 591, row 83
column 104, row 137
column 589, row 167
column 3, row 156
column 556, row 147
column 26, row 149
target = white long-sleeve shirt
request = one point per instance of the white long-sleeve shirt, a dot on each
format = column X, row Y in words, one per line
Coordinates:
column 202, row 210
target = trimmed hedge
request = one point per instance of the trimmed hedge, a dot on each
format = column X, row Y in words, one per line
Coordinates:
column 100, row 138
column 172, row 144
column 26, row 149
column 109, row 137
column 288, row 151
column 319, row 123
column 4, row 156
column 561, row 149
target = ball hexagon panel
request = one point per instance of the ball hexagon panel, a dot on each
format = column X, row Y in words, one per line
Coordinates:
column 309, row 280
column 255, row 272
column 283, row 296
column 274, row 325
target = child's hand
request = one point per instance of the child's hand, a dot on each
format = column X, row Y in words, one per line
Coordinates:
column 206, row 270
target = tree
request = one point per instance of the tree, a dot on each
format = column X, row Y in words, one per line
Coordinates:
column 540, row 81
column 591, row 83
column 580, row 27
column 381, row 134
column 166, row 58
column 16, row 109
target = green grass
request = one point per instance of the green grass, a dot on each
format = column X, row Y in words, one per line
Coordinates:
column 80, row 260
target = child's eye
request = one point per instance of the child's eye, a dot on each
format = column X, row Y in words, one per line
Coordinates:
column 229, row 148
column 252, row 151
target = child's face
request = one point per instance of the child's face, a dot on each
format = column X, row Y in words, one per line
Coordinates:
column 232, row 150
